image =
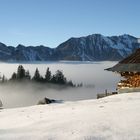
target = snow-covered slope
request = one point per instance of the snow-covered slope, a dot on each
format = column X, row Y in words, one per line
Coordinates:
column 112, row 118
column 88, row 48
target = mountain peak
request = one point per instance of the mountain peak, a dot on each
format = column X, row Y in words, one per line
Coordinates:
column 20, row 46
column 95, row 47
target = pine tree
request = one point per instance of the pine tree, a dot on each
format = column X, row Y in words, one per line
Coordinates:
column 48, row 75
column 59, row 78
column 14, row 76
column 3, row 79
column 70, row 83
column 53, row 80
column 27, row 75
column 20, row 72
column 0, row 78
column 37, row 76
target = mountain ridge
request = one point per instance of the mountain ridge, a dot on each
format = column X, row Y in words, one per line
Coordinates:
column 95, row 47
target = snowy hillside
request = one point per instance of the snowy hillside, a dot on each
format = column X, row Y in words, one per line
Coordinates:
column 94, row 47
column 112, row 118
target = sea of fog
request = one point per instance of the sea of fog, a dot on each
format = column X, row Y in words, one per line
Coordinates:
column 92, row 74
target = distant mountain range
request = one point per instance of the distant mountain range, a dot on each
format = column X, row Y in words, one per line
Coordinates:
column 94, row 47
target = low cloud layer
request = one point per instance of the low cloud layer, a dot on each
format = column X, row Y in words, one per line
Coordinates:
column 92, row 75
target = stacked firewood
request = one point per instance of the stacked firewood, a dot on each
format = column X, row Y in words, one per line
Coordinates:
column 134, row 80
column 130, row 81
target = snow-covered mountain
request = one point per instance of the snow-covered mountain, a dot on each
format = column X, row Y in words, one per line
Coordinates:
column 97, row 47
column 94, row 47
column 115, row 117
column 22, row 53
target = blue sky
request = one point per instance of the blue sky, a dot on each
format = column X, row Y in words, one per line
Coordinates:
column 51, row 22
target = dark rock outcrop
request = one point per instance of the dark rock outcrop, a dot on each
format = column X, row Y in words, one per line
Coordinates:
column 46, row 101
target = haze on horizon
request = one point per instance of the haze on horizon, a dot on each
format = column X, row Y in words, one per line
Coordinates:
column 91, row 74
column 51, row 22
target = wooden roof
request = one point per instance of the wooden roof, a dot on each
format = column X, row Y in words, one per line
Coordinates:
column 133, row 58
column 129, row 64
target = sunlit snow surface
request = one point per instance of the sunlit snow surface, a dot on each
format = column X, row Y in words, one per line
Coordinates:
column 112, row 118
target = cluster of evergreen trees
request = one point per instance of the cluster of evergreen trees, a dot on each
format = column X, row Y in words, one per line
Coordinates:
column 23, row 75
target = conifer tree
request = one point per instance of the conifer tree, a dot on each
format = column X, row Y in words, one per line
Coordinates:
column 20, row 72
column 70, row 83
column 0, row 77
column 59, row 78
column 3, row 79
column 48, row 75
column 14, row 76
column 27, row 75
column 37, row 76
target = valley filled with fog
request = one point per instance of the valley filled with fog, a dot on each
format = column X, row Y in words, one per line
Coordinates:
column 92, row 74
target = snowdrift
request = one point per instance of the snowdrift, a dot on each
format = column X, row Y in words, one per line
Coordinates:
column 112, row 118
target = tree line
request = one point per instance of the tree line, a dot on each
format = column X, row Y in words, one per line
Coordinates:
column 23, row 75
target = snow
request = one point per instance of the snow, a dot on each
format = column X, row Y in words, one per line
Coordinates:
column 115, row 117
column 121, row 44
column 82, row 50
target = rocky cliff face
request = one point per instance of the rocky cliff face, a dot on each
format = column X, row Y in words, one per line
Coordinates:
column 94, row 47
column 22, row 53
column 97, row 47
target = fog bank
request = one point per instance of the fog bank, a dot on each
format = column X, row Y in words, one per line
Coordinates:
column 93, row 76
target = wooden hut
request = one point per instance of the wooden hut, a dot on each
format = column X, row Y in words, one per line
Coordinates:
column 129, row 69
